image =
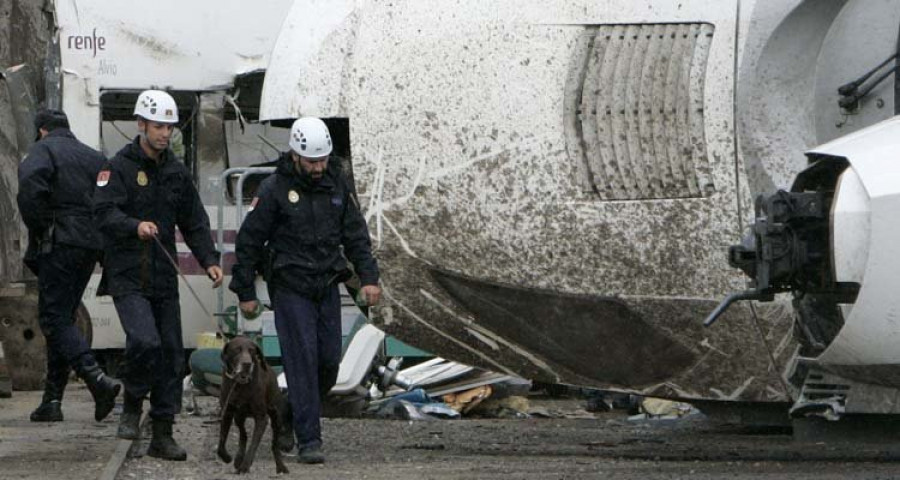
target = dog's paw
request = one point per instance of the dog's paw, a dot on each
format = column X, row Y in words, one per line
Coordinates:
column 281, row 469
column 238, row 461
column 223, row 454
column 243, row 467
column 286, row 441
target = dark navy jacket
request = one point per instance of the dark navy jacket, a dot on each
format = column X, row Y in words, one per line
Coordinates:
column 56, row 183
column 133, row 188
column 303, row 230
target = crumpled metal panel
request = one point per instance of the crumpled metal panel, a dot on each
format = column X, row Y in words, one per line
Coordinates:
column 641, row 116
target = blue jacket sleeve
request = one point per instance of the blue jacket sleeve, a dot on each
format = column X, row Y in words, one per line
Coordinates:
column 35, row 175
column 250, row 246
column 108, row 199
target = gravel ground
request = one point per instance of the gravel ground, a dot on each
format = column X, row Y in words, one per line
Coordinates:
column 77, row 448
column 571, row 444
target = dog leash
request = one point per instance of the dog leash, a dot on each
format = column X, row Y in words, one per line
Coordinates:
column 225, row 372
column 224, row 406
column 234, row 384
column 188, row 285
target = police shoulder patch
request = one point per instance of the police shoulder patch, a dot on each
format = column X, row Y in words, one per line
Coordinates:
column 103, row 178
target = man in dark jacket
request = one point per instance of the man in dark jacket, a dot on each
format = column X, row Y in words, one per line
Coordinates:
column 56, row 181
column 302, row 223
column 143, row 194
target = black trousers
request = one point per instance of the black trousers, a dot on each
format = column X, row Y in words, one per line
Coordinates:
column 154, row 352
column 63, row 274
column 309, row 333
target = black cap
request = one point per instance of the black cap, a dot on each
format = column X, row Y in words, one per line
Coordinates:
column 49, row 120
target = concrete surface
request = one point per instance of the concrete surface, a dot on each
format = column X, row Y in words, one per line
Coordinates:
column 77, row 448
column 565, row 443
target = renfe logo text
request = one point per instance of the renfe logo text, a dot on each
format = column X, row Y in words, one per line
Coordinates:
column 85, row 42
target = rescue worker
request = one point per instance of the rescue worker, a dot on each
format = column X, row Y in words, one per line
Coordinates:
column 56, row 181
column 143, row 193
column 301, row 221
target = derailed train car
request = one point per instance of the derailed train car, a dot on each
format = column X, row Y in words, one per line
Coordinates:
column 552, row 187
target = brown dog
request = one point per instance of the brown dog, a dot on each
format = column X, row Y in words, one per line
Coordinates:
column 249, row 389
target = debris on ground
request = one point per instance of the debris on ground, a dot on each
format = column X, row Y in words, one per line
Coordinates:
column 439, row 377
column 660, row 409
column 513, row 407
column 412, row 405
column 598, row 401
column 461, row 388
column 466, row 400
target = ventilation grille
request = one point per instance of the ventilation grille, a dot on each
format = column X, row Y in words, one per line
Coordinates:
column 638, row 113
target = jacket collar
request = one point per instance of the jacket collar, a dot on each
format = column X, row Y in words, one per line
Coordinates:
column 135, row 153
column 59, row 132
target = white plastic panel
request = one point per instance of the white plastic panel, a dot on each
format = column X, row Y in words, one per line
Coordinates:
column 358, row 359
column 871, row 332
column 850, row 228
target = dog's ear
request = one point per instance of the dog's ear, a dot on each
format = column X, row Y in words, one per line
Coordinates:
column 259, row 357
column 226, row 358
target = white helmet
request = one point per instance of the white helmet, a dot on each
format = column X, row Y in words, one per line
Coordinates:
column 310, row 138
column 156, row 106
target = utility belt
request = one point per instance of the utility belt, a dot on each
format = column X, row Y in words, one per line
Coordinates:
column 313, row 287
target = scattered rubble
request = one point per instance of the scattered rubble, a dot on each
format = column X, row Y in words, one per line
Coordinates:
column 658, row 408
column 439, row 388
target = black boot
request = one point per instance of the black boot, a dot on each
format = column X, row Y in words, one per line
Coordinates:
column 162, row 445
column 48, row 412
column 102, row 388
column 130, row 421
column 312, row 454
column 50, row 408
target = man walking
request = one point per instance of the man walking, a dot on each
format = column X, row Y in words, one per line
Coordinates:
column 307, row 219
column 143, row 194
column 56, row 182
